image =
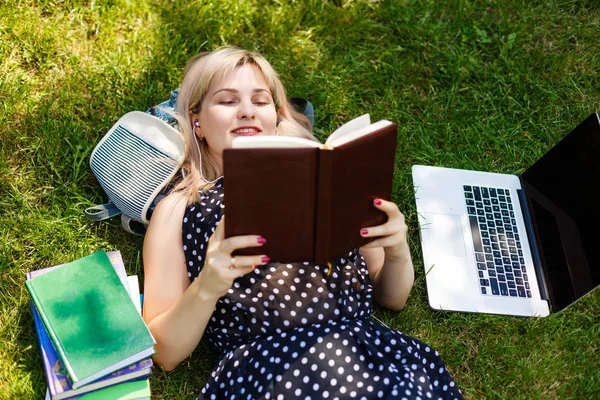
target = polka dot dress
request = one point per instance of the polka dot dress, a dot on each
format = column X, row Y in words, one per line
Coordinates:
column 295, row 331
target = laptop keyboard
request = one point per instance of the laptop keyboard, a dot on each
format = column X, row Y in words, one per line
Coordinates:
column 500, row 263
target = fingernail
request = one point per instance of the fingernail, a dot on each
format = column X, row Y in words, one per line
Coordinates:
column 265, row 259
column 261, row 240
column 378, row 202
column 254, row 267
column 364, row 231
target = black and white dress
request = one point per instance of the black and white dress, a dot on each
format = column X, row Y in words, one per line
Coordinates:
column 296, row 331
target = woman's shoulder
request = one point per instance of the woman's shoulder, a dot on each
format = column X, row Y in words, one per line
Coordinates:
column 170, row 208
column 165, row 224
column 178, row 205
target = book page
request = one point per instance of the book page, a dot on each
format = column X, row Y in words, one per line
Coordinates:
column 133, row 288
column 349, row 127
column 350, row 136
column 263, row 142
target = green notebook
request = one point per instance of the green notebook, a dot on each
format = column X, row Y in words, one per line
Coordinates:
column 90, row 319
column 123, row 391
column 134, row 390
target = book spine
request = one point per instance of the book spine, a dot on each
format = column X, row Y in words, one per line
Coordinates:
column 45, row 347
column 43, row 341
column 323, row 207
column 57, row 346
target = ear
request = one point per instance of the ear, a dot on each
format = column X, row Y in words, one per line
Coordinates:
column 194, row 118
column 196, row 126
column 197, row 130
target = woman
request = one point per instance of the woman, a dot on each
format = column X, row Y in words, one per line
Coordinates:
column 285, row 330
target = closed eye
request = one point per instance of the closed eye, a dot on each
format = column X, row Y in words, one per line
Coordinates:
column 261, row 100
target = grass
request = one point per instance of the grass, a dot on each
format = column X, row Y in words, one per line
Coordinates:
column 472, row 84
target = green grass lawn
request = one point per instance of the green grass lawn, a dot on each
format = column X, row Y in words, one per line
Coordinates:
column 472, row 84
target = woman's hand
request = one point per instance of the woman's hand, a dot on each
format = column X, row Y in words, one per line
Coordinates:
column 392, row 234
column 221, row 268
column 388, row 258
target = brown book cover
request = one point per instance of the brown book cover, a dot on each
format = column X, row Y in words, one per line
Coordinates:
column 309, row 202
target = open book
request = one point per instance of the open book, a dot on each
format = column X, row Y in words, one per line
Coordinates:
column 307, row 199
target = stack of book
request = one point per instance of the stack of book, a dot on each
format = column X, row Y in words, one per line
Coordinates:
column 93, row 340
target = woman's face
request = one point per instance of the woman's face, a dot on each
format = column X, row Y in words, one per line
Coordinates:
column 240, row 104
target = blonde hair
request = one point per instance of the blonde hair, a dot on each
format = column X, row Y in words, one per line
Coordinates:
column 200, row 72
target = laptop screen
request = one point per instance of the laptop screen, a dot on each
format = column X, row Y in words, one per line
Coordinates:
column 563, row 192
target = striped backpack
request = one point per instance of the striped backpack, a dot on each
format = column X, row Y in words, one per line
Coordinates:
column 134, row 164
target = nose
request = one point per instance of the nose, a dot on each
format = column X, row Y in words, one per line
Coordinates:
column 246, row 110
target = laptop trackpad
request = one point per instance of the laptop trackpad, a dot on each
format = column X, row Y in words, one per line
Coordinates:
column 443, row 235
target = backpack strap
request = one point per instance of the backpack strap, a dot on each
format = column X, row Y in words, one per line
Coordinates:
column 102, row 212
column 132, row 226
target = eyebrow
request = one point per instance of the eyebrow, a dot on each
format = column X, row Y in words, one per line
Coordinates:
column 231, row 90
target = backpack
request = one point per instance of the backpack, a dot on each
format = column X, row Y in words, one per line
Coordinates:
column 137, row 160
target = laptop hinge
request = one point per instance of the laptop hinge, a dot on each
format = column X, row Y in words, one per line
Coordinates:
column 535, row 251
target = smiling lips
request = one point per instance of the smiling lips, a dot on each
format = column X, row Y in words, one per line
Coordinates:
column 246, row 131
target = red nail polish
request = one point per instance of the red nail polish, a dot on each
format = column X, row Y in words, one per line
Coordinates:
column 265, row 259
column 261, row 240
column 378, row 202
column 364, row 231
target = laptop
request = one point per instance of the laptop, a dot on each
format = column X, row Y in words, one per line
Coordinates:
column 521, row 245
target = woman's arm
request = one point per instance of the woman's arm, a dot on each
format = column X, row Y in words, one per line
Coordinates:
column 388, row 258
column 176, row 312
